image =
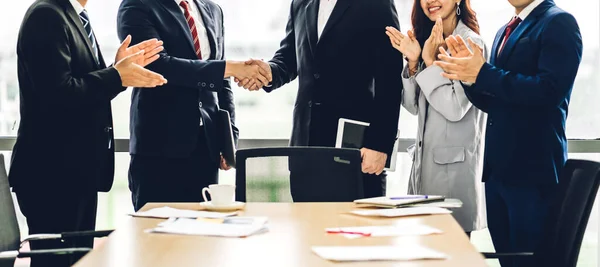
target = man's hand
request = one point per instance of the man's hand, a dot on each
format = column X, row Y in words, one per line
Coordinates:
column 152, row 46
column 134, row 75
column 457, row 47
column 465, row 69
column 241, row 71
column 255, row 84
column 373, row 162
column 224, row 166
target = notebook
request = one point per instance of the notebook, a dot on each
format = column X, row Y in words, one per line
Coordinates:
column 398, row 202
column 350, row 134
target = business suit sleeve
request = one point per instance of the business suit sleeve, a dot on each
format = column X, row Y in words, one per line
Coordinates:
column 45, row 47
column 134, row 19
column 444, row 95
column 226, row 100
column 409, row 92
column 382, row 132
column 283, row 64
column 559, row 59
column 476, row 98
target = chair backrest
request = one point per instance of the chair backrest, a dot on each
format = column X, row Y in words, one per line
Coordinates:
column 10, row 236
column 569, row 216
column 317, row 174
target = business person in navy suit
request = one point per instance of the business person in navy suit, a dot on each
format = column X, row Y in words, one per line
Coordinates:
column 525, row 89
column 174, row 132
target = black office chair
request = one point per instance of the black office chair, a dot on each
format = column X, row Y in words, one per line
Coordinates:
column 10, row 237
column 568, row 218
column 317, row 174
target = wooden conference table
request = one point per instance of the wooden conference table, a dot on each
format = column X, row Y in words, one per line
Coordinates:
column 293, row 229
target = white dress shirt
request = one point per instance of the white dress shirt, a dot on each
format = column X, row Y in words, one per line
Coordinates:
column 202, row 34
column 526, row 11
column 325, row 9
column 77, row 6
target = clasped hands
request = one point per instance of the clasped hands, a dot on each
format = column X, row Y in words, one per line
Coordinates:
column 252, row 74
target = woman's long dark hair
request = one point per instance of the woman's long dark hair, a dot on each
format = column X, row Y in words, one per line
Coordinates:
column 422, row 25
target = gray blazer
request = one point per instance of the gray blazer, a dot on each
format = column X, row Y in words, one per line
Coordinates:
column 448, row 154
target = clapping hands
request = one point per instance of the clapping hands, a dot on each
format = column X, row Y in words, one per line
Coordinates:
column 434, row 42
column 252, row 74
column 131, row 60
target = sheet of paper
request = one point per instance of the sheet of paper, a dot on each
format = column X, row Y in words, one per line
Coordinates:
column 168, row 212
column 401, row 212
column 228, row 227
column 381, row 231
column 378, row 253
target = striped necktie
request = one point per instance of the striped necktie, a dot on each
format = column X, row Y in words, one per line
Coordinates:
column 85, row 19
column 192, row 24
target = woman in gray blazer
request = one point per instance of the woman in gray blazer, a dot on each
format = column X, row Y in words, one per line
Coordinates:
column 448, row 154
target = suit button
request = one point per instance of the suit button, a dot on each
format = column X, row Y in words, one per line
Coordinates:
column 199, row 104
column 199, row 84
column 420, row 143
column 108, row 129
column 317, row 76
column 212, row 85
column 203, row 84
column 310, row 104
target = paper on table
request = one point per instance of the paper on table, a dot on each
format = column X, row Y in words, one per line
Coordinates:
column 448, row 203
column 228, row 227
column 401, row 212
column 377, row 253
column 168, row 212
column 380, row 231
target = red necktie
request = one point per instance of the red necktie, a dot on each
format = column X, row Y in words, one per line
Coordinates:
column 512, row 25
column 192, row 25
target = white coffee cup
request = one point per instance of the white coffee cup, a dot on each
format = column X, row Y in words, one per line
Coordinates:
column 220, row 194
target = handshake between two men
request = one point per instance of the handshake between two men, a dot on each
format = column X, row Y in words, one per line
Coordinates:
column 252, row 74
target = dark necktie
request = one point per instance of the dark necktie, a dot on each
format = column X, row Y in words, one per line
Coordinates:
column 192, row 24
column 510, row 28
column 85, row 19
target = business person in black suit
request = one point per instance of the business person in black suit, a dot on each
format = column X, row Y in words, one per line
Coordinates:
column 338, row 51
column 174, row 132
column 525, row 89
column 64, row 151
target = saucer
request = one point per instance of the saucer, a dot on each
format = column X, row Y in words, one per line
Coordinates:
column 230, row 207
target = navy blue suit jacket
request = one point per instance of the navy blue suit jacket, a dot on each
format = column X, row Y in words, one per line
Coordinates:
column 526, row 92
column 164, row 120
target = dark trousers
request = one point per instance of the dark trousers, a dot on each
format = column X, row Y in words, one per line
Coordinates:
column 51, row 212
column 374, row 185
column 516, row 216
column 162, row 179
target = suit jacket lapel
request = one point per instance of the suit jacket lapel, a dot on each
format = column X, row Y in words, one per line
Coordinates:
column 338, row 12
column 74, row 17
column 175, row 11
column 312, row 14
column 209, row 25
column 496, row 46
column 514, row 37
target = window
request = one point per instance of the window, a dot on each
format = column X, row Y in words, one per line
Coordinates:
column 254, row 29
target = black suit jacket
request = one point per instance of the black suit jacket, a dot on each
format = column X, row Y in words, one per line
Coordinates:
column 352, row 71
column 65, row 140
column 164, row 120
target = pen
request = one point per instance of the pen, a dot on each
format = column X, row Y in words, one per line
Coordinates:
column 348, row 232
column 409, row 197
